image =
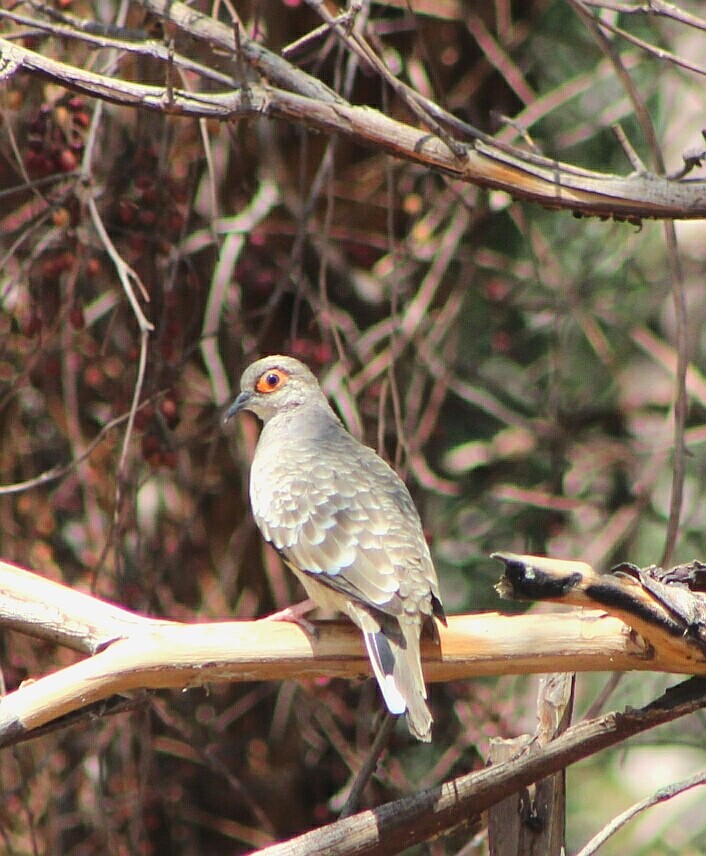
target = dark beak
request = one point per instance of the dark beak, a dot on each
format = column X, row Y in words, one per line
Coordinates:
column 240, row 403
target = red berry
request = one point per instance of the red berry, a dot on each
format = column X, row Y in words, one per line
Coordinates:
column 126, row 211
column 61, row 218
column 323, row 353
column 82, row 119
column 170, row 410
column 93, row 375
column 67, row 160
column 147, row 217
column 93, row 267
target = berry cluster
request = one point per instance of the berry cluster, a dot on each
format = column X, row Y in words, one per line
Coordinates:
column 56, row 137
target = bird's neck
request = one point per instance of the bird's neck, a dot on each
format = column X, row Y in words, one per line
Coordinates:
column 309, row 422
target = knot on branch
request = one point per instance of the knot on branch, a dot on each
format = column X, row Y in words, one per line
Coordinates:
column 667, row 607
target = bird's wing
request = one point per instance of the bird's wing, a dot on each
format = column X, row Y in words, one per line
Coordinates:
column 348, row 520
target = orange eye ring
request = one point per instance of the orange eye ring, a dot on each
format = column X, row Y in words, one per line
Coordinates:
column 270, row 381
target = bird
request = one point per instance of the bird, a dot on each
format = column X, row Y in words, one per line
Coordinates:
column 345, row 524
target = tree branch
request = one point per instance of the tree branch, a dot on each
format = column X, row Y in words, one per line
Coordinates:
column 133, row 652
column 405, row 822
column 305, row 101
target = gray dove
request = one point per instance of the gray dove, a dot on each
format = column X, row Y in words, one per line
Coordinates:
column 344, row 522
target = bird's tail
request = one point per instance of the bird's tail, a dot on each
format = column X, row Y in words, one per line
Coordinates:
column 393, row 649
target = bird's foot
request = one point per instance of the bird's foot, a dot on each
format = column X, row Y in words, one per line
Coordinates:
column 295, row 614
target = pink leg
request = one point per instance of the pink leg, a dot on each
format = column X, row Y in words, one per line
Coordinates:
column 295, row 614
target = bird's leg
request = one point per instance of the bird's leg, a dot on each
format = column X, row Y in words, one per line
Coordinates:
column 295, row 614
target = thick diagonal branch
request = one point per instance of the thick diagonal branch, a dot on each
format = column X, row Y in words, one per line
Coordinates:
column 401, row 824
column 485, row 163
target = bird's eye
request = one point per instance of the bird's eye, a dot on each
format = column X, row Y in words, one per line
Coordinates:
column 270, row 381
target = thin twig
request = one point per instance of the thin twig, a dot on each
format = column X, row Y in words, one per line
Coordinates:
column 345, row 18
column 368, row 768
column 681, row 401
column 641, row 112
column 627, row 147
column 651, row 7
column 411, row 98
column 661, row 795
column 60, row 470
column 123, row 41
column 238, row 228
column 660, row 53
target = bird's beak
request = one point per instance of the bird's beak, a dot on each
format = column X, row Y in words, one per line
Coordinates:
column 240, row 403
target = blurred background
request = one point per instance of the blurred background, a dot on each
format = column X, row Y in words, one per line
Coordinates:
column 517, row 366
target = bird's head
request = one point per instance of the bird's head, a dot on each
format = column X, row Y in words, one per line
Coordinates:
column 274, row 385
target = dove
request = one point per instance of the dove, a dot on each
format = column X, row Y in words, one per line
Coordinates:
column 345, row 524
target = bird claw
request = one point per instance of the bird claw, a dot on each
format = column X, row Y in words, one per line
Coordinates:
column 295, row 615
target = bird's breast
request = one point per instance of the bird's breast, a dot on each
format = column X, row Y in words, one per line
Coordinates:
column 290, row 485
